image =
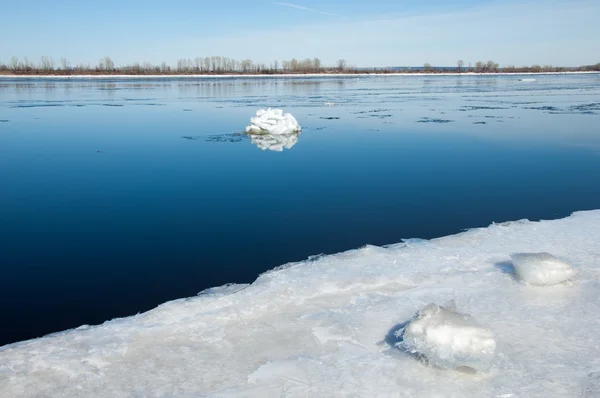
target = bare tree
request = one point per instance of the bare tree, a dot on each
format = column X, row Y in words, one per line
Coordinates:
column 46, row 63
column 181, row 65
column 341, row 65
column 64, row 64
column 14, row 63
column 427, row 67
column 460, row 64
column 317, row 64
column 306, row 65
column 106, row 63
column 246, row 65
column 491, row 66
column 83, row 67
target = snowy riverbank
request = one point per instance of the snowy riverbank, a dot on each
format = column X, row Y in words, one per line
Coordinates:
column 328, row 327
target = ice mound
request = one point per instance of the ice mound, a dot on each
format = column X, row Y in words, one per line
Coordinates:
column 273, row 121
column 449, row 339
column 541, row 269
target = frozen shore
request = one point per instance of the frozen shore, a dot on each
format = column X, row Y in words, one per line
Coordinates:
column 330, row 326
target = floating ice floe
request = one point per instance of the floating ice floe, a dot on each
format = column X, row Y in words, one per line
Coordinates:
column 273, row 130
column 273, row 121
column 527, row 79
column 329, row 104
column 541, row 269
column 449, row 339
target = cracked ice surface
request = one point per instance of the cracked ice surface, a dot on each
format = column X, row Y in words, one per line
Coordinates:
column 329, row 326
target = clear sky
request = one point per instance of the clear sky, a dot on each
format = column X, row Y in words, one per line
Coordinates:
column 364, row 32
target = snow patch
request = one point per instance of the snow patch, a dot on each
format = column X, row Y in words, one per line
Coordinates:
column 449, row 339
column 541, row 269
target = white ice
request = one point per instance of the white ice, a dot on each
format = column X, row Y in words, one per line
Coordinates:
column 527, row 79
column 274, row 122
column 541, row 269
column 449, row 339
column 328, row 327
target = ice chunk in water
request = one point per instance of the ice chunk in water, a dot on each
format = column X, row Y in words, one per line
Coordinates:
column 541, row 269
column 449, row 339
column 273, row 121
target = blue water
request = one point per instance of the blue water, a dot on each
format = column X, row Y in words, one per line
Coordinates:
column 119, row 195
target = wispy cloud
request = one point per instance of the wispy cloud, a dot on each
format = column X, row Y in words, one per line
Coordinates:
column 439, row 38
column 302, row 8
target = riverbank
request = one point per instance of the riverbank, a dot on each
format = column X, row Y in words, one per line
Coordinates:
column 287, row 75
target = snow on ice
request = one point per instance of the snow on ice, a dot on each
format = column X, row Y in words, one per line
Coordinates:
column 330, row 326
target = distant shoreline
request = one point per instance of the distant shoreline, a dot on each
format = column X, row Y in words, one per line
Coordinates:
column 282, row 75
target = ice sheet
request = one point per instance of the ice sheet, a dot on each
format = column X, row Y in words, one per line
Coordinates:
column 328, row 327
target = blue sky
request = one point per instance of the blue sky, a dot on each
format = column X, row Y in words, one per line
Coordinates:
column 365, row 33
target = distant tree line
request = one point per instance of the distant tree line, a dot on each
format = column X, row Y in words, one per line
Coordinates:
column 216, row 65
column 200, row 65
column 491, row 67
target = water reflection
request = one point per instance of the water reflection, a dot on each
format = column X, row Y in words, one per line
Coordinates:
column 274, row 142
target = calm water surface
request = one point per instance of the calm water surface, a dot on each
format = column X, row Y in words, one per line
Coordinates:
column 118, row 195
